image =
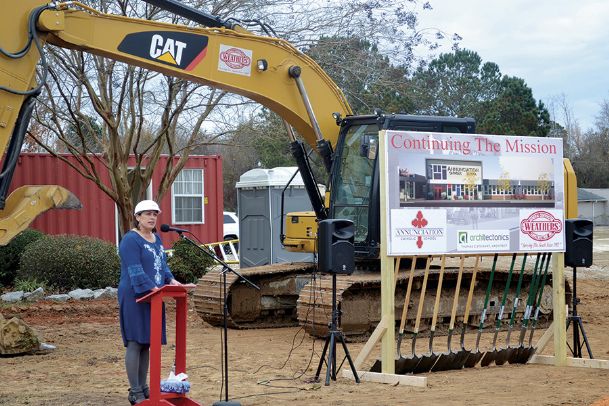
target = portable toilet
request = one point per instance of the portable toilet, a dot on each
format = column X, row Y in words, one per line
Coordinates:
column 259, row 209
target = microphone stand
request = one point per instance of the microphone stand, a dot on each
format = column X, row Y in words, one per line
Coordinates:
column 225, row 270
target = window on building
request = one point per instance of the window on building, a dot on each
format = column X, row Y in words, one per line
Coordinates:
column 439, row 171
column 188, row 199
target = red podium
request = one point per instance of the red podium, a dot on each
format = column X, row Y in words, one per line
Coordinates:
column 180, row 294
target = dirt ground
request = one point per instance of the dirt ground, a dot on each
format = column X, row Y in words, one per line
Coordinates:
column 275, row 366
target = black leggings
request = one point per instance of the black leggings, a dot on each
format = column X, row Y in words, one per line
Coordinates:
column 137, row 358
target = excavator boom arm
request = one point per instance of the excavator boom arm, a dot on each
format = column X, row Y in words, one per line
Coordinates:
column 243, row 63
column 219, row 55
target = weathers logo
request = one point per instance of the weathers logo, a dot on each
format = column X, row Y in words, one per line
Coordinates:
column 232, row 59
column 541, row 225
column 235, row 58
column 179, row 49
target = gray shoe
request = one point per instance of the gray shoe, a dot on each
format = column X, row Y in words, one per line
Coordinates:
column 146, row 391
column 136, row 396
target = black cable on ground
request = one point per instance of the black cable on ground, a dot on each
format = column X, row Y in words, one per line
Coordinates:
column 315, row 283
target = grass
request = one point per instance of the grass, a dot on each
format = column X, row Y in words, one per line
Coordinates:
column 28, row 285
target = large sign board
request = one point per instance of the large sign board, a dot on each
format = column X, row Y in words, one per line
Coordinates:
column 468, row 193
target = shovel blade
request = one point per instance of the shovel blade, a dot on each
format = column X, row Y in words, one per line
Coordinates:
column 511, row 354
column 406, row 365
column 488, row 358
column 445, row 361
column 521, row 355
column 502, row 356
column 460, row 359
column 426, row 363
column 451, row 360
column 526, row 355
column 473, row 359
column 517, row 354
column 378, row 366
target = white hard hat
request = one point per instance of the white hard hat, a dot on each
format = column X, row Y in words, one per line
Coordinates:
column 146, row 205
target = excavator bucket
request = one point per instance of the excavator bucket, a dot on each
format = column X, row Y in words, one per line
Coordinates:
column 24, row 204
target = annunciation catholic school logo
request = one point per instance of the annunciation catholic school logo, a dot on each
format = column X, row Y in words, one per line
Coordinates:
column 419, row 222
column 413, row 230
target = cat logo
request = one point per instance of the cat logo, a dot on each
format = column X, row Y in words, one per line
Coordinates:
column 166, row 49
column 178, row 49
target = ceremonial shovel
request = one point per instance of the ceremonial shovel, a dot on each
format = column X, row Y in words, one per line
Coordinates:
column 407, row 364
column 450, row 359
column 490, row 356
column 475, row 355
column 504, row 354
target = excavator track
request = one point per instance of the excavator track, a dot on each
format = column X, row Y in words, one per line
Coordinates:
column 358, row 298
column 274, row 305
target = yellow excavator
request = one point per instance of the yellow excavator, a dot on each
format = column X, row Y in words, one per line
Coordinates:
column 267, row 70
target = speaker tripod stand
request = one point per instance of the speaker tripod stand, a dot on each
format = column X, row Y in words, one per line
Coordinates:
column 578, row 325
column 334, row 335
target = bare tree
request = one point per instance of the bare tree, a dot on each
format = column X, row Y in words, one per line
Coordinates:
column 570, row 131
column 588, row 150
column 602, row 119
column 146, row 114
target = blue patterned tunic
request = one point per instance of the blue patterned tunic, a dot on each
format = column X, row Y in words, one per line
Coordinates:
column 143, row 267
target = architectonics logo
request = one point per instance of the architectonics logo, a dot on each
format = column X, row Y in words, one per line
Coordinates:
column 418, row 230
column 483, row 240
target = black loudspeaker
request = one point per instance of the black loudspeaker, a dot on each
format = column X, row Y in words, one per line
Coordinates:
column 336, row 253
column 578, row 239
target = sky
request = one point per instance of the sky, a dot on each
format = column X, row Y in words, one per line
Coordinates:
column 559, row 47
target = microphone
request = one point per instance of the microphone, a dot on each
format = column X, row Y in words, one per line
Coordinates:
column 166, row 228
